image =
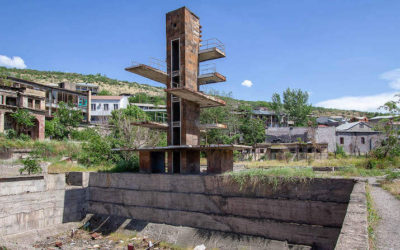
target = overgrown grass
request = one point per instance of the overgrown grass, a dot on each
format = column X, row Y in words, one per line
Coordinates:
column 66, row 166
column 373, row 218
column 392, row 184
column 359, row 171
column 274, row 176
column 338, row 162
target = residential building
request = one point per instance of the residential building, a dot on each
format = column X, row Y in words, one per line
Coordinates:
column 102, row 106
column 359, row 119
column 270, row 117
column 83, row 87
column 375, row 121
column 14, row 96
column 357, row 137
column 325, row 121
column 62, row 92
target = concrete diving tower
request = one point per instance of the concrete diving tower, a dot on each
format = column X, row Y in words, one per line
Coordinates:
column 183, row 75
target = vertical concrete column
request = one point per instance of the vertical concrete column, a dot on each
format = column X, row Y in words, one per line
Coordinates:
column 219, row 161
column 89, row 106
column 144, row 162
column 2, row 120
column 41, row 133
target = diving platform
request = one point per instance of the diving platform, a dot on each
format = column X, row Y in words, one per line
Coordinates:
column 149, row 72
column 210, row 78
column 152, row 125
column 210, row 54
column 195, row 96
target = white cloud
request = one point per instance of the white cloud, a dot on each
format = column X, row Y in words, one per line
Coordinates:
column 361, row 103
column 247, row 83
column 14, row 62
column 393, row 77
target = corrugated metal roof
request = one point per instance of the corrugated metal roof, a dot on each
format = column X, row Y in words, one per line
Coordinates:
column 262, row 112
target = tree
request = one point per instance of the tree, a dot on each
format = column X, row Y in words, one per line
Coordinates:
column 253, row 131
column 295, row 105
column 277, row 106
column 23, row 120
column 104, row 92
column 65, row 120
column 390, row 146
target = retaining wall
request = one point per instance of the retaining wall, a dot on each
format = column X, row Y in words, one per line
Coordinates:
column 309, row 213
column 28, row 203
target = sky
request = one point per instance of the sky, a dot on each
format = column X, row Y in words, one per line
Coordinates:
column 345, row 54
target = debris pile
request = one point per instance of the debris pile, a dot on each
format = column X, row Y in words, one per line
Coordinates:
column 81, row 239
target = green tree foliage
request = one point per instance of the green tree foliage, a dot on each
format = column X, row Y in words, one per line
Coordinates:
column 253, row 131
column 23, row 119
column 145, row 98
column 277, row 106
column 390, row 146
column 104, row 92
column 295, row 105
column 65, row 120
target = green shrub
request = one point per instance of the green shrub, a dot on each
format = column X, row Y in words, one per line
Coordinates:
column 96, row 151
column 340, row 151
column 31, row 165
column 130, row 165
column 24, row 137
column 84, row 135
column 11, row 134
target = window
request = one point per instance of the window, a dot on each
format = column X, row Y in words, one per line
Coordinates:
column 30, row 103
column 341, row 140
column 362, row 140
column 361, row 125
column 115, row 106
column 37, row 104
column 105, row 107
column 93, row 107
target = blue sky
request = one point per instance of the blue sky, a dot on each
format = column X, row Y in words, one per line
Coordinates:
column 345, row 53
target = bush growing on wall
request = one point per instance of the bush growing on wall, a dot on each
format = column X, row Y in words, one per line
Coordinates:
column 31, row 165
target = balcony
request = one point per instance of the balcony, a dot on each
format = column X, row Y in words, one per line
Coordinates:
column 211, row 49
column 197, row 97
column 156, row 70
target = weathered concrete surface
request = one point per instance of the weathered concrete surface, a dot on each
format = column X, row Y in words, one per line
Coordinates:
column 319, row 189
column 298, row 211
column 187, row 236
column 309, row 213
column 31, row 203
column 354, row 233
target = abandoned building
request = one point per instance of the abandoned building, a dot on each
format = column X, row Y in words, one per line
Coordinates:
column 185, row 51
column 286, row 151
column 357, row 137
column 14, row 96
column 62, row 92
column 84, row 87
column 270, row 117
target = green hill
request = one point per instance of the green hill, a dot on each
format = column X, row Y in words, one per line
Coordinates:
column 117, row 87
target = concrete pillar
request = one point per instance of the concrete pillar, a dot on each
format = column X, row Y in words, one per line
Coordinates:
column 2, row 120
column 219, row 161
column 89, row 106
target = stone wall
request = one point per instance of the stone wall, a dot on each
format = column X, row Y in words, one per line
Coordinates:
column 309, row 213
column 30, row 203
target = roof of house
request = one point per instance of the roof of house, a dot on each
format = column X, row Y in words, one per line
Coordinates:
column 86, row 84
column 262, row 112
column 106, row 97
column 381, row 117
column 349, row 125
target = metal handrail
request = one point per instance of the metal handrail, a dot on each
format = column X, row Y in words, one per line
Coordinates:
column 153, row 62
column 208, row 68
column 212, row 43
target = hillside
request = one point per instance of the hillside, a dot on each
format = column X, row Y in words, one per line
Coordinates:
column 117, row 87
